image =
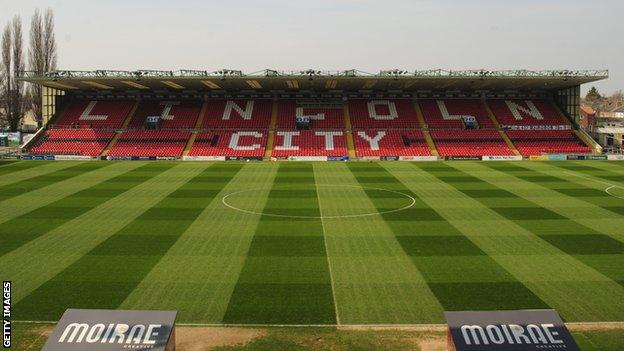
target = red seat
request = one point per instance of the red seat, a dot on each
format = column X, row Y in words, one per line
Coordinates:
column 390, row 143
column 238, row 114
column 449, row 113
column 228, row 143
column 321, row 117
column 383, row 114
column 95, row 114
column 537, row 142
column 481, row 142
column 526, row 112
column 87, row 142
column 151, row 143
column 174, row 114
column 309, row 143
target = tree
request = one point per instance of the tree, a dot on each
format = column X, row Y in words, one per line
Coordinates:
column 5, row 90
column 12, row 91
column 593, row 94
column 41, row 55
column 17, row 95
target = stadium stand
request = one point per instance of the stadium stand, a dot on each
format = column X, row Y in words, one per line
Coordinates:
column 166, row 143
column 445, row 114
column 390, row 143
column 382, row 114
column 237, row 114
column 228, row 143
column 470, row 143
column 94, row 114
column 526, row 112
column 173, row 114
column 309, row 143
column 86, row 142
column 323, row 116
column 537, row 142
column 240, row 128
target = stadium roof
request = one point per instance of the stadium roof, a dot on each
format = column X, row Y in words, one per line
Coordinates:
column 350, row 80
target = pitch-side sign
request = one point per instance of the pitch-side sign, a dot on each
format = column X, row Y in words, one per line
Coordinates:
column 113, row 330
column 523, row 330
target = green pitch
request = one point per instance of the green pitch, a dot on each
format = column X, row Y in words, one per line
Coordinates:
column 313, row 243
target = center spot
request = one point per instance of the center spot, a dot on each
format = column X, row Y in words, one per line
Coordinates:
column 346, row 201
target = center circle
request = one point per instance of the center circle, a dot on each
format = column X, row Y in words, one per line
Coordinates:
column 229, row 201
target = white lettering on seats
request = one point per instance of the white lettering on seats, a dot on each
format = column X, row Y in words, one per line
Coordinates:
column 167, row 105
column 244, row 113
column 319, row 116
column 446, row 115
column 372, row 141
column 531, row 110
column 86, row 114
column 287, row 141
column 234, row 141
column 392, row 111
column 329, row 138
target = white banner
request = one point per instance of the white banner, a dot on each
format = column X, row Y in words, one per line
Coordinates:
column 370, row 158
column 418, row 158
column 72, row 158
column 307, row 158
column 502, row 158
column 615, row 157
column 203, row 158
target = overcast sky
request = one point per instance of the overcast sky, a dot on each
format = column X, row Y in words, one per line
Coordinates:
column 336, row 35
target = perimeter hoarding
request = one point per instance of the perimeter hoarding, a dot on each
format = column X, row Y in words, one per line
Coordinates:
column 523, row 330
column 113, row 330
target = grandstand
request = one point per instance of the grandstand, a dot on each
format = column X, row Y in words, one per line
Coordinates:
column 280, row 115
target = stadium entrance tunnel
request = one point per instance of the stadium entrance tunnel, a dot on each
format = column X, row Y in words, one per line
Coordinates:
column 320, row 201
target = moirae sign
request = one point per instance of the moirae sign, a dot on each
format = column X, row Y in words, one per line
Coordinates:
column 113, row 330
column 524, row 330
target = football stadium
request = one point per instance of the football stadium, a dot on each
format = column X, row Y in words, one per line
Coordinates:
column 279, row 200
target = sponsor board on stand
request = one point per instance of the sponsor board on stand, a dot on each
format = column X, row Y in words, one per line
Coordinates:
column 369, row 158
column 502, row 158
column 615, row 157
column 597, row 157
column 538, row 158
column 307, row 158
column 521, row 330
column 418, row 158
column 557, row 157
column 203, row 158
column 389, row 158
column 576, row 157
column 337, row 158
column 463, row 158
column 72, row 158
column 113, row 330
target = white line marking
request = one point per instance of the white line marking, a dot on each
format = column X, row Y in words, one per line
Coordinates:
column 611, row 186
column 329, row 266
column 412, row 203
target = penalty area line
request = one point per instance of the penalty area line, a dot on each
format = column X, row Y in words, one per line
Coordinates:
column 606, row 190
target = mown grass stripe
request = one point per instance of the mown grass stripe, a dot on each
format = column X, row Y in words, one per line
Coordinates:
column 366, row 261
column 199, row 272
column 14, row 166
column 39, row 260
column 599, row 172
column 28, row 171
column 285, row 278
column 29, row 226
column 437, row 250
column 106, row 275
column 599, row 251
column 544, row 268
column 567, row 185
column 19, row 188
